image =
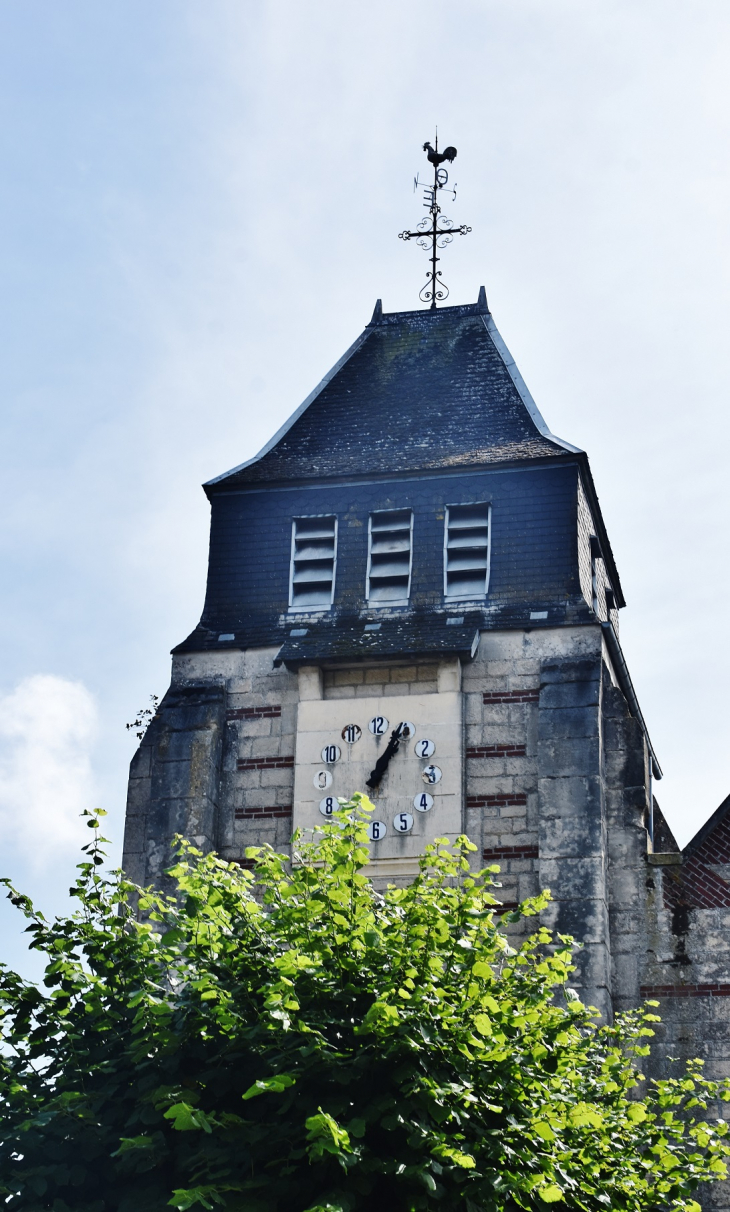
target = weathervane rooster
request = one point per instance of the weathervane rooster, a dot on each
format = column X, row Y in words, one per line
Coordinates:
column 436, row 157
column 436, row 231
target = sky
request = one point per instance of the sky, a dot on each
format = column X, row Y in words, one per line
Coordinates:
column 199, row 206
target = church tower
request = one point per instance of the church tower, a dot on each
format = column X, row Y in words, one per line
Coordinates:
column 411, row 592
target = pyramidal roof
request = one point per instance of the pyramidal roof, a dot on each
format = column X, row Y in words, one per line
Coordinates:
column 418, row 390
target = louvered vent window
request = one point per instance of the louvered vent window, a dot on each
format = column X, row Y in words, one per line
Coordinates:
column 389, row 558
column 466, row 555
column 313, row 559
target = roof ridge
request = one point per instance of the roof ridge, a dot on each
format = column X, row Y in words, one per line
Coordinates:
column 709, row 827
column 500, row 417
column 428, row 313
column 521, row 387
column 284, row 429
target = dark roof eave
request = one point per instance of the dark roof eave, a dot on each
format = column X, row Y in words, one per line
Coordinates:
column 322, row 649
column 560, row 458
column 293, row 663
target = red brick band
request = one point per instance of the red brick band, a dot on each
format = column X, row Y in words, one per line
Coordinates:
column 503, row 800
column 511, row 696
column 247, row 864
column 709, row 990
column 488, row 751
column 271, row 712
column 715, row 846
column 695, row 885
column 525, row 852
column 263, row 814
column 265, row 763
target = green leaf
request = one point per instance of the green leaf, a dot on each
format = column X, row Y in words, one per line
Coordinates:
column 189, row 1119
column 269, row 1085
column 544, row 1131
column 134, row 1143
column 483, row 1024
column 205, row 1196
column 585, row 1116
column 325, row 1136
column 380, row 1016
column 328, row 1207
column 464, row 1160
column 551, row 1194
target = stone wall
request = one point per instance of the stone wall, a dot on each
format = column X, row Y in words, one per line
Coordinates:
column 556, row 791
column 588, row 561
column 627, row 791
column 174, row 780
column 686, row 964
column 501, row 689
column 381, row 680
column 537, row 755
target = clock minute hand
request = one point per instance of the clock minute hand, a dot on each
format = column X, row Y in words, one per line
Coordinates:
column 382, row 763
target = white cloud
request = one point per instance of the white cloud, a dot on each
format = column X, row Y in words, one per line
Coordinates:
column 47, row 729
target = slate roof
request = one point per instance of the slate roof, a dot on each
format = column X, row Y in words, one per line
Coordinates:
column 418, row 390
column 353, row 640
column 412, row 631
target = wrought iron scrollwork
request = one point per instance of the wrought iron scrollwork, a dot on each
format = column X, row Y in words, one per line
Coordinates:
column 437, row 231
column 434, row 289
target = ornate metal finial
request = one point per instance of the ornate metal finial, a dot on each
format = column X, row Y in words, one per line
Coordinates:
column 437, row 231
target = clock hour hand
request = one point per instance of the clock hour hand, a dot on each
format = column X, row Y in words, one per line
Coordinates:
column 382, row 763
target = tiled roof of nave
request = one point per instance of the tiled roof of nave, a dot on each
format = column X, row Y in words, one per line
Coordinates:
column 424, row 390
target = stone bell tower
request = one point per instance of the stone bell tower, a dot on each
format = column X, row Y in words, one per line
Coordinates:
column 411, row 591
column 412, row 583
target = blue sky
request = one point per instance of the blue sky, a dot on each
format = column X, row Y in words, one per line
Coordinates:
column 199, row 205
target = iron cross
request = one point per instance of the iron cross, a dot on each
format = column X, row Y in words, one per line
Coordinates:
column 436, row 231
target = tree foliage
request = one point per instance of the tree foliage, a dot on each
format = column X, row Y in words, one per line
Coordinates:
column 303, row 1042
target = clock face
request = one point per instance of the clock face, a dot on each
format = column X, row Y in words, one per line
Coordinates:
column 343, row 743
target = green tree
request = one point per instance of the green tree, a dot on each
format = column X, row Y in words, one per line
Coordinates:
column 322, row 1046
